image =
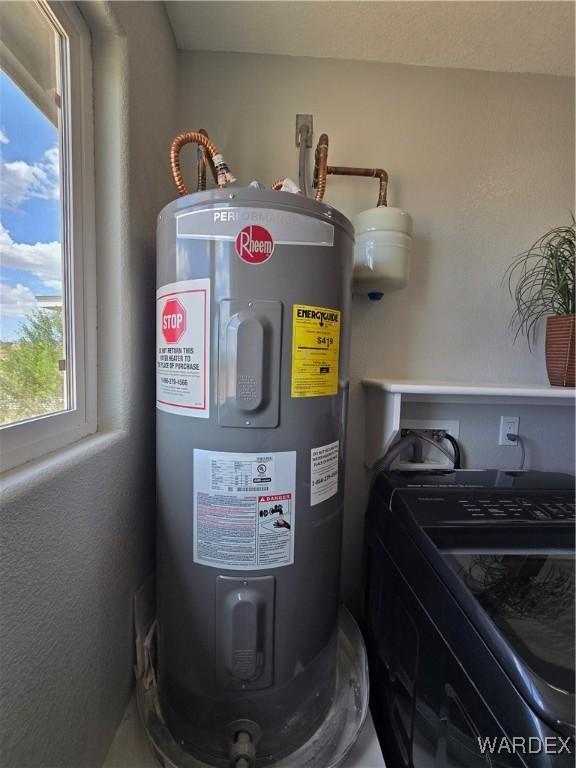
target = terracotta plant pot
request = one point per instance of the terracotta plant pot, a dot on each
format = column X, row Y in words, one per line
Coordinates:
column 560, row 350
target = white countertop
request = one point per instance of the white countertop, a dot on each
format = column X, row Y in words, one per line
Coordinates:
column 130, row 747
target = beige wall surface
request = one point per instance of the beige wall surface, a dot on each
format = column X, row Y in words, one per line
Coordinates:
column 483, row 161
column 78, row 526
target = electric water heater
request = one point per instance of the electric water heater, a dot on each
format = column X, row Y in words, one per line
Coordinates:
column 253, row 324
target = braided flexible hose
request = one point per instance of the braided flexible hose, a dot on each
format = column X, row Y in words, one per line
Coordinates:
column 223, row 172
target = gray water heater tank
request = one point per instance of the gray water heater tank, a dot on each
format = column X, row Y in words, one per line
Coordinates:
column 253, row 325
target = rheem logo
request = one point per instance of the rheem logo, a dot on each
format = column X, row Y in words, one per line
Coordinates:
column 173, row 321
column 254, row 244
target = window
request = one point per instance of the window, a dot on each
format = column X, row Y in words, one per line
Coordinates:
column 47, row 346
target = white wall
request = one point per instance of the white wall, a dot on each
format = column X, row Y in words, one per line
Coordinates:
column 77, row 527
column 483, row 161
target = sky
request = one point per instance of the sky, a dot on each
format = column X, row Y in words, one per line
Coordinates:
column 30, row 254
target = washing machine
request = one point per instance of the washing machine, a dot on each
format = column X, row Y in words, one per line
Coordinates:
column 469, row 618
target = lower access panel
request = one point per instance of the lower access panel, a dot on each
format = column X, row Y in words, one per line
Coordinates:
column 244, row 632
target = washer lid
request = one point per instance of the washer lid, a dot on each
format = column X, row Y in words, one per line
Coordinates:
column 529, row 596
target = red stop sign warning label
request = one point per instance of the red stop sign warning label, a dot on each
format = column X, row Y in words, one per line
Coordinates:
column 182, row 348
column 173, row 321
column 254, row 244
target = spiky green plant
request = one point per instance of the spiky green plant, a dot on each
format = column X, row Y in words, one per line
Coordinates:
column 541, row 281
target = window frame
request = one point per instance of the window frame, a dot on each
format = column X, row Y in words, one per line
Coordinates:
column 29, row 439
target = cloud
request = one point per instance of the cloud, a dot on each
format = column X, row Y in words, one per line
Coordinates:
column 44, row 260
column 22, row 181
column 3, row 138
column 16, row 300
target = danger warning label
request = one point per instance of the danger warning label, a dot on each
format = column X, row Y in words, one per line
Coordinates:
column 274, row 529
column 315, row 351
column 244, row 509
column 182, row 347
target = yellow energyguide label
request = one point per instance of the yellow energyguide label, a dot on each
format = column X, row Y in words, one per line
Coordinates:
column 315, row 350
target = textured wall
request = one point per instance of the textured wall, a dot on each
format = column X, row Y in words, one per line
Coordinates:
column 501, row 37
column 77, row 528
column 483, row 161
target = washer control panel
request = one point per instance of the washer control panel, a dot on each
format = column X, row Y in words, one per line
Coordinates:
column 493, row 506
column 521, row 507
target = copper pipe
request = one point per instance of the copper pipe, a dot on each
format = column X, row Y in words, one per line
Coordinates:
column 177, row 144
column 377, row 173
column 223, row 175
column 320, row 167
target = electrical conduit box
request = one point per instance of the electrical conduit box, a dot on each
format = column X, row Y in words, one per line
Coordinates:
column 432, row 429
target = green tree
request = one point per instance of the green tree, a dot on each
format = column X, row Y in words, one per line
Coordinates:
column 31, row 383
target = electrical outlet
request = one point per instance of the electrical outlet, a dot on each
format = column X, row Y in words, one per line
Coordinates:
column 508, row 424
column 432, row 458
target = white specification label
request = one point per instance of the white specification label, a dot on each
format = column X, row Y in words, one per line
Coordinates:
column 183, row 348
column 244, row 506
column 323, row 472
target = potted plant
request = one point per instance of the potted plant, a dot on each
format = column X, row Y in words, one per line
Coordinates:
column 541, row 281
